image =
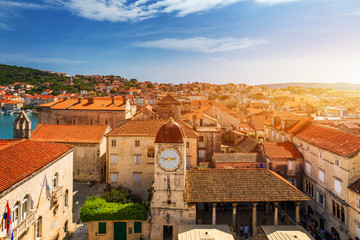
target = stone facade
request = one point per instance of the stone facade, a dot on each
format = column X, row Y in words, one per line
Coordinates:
column 133, row 161
column 168, row 209
column 93, row 230
column 354, row 214
column 53, row 216
column 326, row 178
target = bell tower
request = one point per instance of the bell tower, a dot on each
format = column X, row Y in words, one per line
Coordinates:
column 22, row 126
column 168, row 209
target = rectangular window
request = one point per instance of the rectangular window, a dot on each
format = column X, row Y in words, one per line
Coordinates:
column 137, row 177
column 113, row 177
column 113, row 143
column 151, row 152
column 283, row 138
column 137, row 159
column 307, row 167
column 187, row 144
column 291, row 165
column 321, row 155
column 277, row 135
column 337, row 162
column 337, row 186
column 201, row 138
column 102, row 227
column 321, row 175
column 201, row 153
column 137, row 143
column 114, row 159
column 308, row 148
column 137, row 227
column 272, row 133
column 321, row 199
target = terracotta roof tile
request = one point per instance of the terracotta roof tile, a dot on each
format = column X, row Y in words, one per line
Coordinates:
column 147, row 127
column 258, row 122
column 22, row 158
column 355, row 186
column 276, row 150
column 238, row 185
column 100, row 103
column 69, row 133
column 331, row 139
column 168, row 99
column 4, row 142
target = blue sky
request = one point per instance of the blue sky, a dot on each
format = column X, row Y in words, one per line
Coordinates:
column 215, row 41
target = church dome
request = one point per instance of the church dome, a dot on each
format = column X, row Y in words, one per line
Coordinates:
column 170, row 132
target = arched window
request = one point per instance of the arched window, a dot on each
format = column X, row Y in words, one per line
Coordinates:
column 334, row 207
column 55, row 181
column 39, row 227
column 15, row 214
column 342, row 215
column 337, row 211
column 66, row 227
column 25, row 206
column 66, row 196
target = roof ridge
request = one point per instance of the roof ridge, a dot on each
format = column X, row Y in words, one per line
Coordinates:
column 15, row 141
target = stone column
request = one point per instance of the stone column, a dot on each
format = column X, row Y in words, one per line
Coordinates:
column 234, row 216
column 214, row 214
column 297, row 212
column 276, row 213
column 254, row 224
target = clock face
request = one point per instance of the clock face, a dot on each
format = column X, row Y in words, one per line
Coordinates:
column 169, row 159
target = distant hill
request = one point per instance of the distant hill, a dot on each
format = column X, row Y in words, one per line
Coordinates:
column 337, row 86
column 10, row 74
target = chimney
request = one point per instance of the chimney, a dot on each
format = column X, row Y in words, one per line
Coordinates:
column 194, row 122
column 90, row 100
column 79, row 100
column 112, row 99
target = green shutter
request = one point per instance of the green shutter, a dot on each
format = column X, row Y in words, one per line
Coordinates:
column 137, row 227
column 102, row 227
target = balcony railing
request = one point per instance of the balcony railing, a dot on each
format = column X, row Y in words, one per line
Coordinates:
column 24, row 225
column 57, row 193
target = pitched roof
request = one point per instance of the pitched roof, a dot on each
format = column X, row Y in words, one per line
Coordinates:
column 331, row 139
column 276, row 150
column 236, row 157
column 20, row 159
column 168, row 99
column 147, row 127
column 97, row 103
column 4, row 142
column 239, row 185
column 258, row 122
column 69, row 133
column 355, row 186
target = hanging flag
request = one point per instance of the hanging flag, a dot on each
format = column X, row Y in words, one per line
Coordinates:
column 48, row 191
column 8, row 223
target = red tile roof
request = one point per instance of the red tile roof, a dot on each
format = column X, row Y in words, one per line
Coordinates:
column 355, row 186
column 238, row 185
column 277, row 150
column 20, row 159
column 331, row 139
column 147, row 127
column 168, row 99
column 4, row 142
column 69, row 133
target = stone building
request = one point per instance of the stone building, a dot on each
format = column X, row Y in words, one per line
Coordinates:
column 238, row 160
column 131, row 154
column 209, row 132
column 24, row 166
column 168, row 107
column 168, row 208
column 90, row 146
column 331, row 164
column 354, row 209
column 285, row 159
column 110, row 111
column 22, row 126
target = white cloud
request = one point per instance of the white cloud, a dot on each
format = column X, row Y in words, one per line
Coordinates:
column 199, row 44
column 5, row 26
column 271, row 2
column 129, row 10
column 13, row 4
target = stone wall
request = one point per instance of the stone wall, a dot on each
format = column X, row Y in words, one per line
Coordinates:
column 53, row 215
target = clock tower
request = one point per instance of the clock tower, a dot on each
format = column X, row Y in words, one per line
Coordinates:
column 168, row 209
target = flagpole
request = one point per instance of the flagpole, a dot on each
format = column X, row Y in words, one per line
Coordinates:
column 42, row 186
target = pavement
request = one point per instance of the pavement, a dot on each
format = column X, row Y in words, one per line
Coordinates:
column 80, row 193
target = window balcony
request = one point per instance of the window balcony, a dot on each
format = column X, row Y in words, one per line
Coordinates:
column 24, row 225
column 56, row 193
